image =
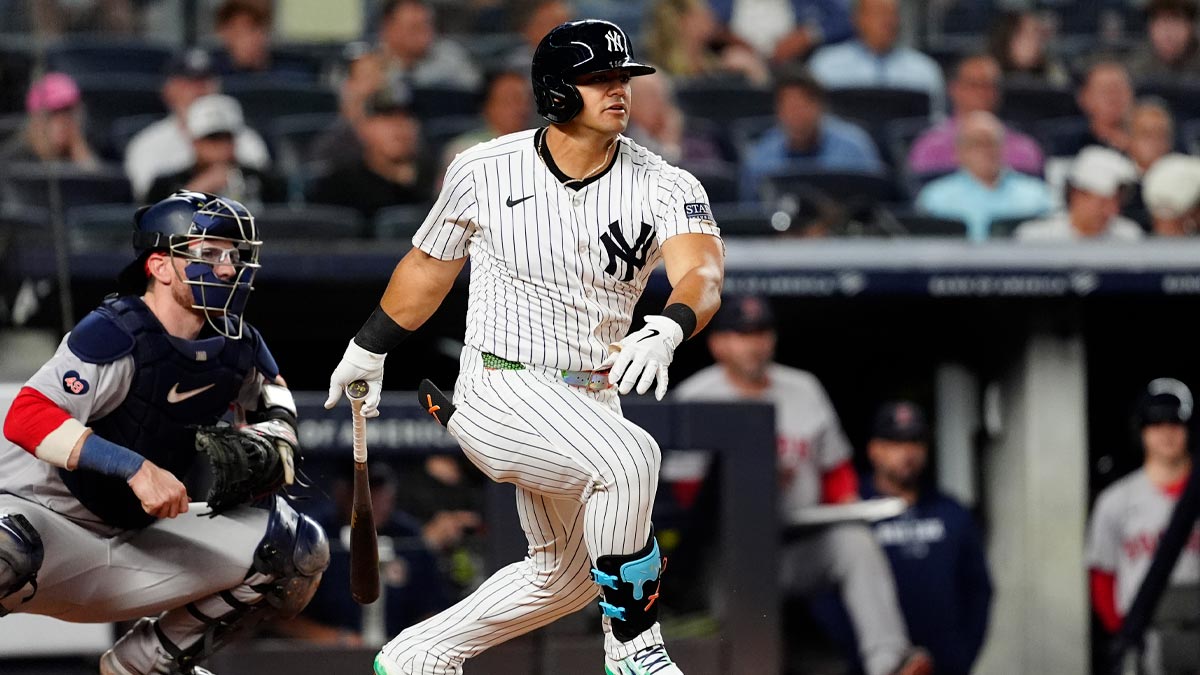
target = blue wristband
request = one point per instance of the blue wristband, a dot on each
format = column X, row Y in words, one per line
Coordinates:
column 109, row 458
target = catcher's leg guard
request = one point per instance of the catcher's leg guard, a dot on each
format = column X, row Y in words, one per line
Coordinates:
column 21, row 556
column 629, row 584
column 287, row 568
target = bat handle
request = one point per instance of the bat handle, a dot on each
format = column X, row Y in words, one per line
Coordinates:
column 360, row 432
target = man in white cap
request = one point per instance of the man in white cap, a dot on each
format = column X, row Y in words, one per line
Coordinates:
column 214, row 122
column 1096, row 183
column 1171, row 190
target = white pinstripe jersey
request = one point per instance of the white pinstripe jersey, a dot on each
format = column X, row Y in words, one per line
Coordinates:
column 556, row 271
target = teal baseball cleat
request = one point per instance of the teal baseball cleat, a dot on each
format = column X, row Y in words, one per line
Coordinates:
column 650, row 661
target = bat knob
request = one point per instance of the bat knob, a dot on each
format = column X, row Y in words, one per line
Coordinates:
column 357, row 390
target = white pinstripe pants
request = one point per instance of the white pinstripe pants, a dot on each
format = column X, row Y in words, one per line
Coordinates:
column 586, row 479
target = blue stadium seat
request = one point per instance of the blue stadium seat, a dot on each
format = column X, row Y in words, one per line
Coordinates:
column 1003, row 228
column 433, row 102
column 875, row 107
column 744, row 220
column 28, row 184
column 1182, row 96
column 15, row 66
column 923, row 225
column 108, row 98
column 1026, row 102
column 312, row 222
column 100, row 225
column 724, row 100
column 400, row 222
column 720, row 180
column 97, row 55
column 291, row 138
column 123, row 129
column 851, row 188
column 265, row 99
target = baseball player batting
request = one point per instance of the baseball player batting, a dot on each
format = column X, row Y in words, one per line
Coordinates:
column 563, row 226
column 95, row 525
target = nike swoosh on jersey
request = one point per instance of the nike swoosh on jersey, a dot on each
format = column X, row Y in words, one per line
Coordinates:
column 653, row 333
column 511, row 203
column 176, row 396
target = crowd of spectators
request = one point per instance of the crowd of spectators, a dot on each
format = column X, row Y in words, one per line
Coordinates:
column 978, row 127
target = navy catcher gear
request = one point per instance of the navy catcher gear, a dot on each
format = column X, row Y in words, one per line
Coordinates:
column 187, row 225
column 573, row 49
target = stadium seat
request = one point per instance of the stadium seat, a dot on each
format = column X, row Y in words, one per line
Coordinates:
column 100, row 225
column 1060, row 137
column 400, row 222
column 720, row 180
column 108, row 98
column 123, row 129
column 15, row 66
column 1180, row 95
column 27, row 184
column 99, row 56
column 924, row 225
column 899, row 135
column 744, row 133
column 437, row 132
column 875, row 107
column 850, row 188
column 291, row 138
column 312, row 222
column 1189, row 132
column 745, row 220
column 433, row 102
column 10, row 125
column 264, row 100
column 1026, row 101
column 724, row 100
column 1003, row 228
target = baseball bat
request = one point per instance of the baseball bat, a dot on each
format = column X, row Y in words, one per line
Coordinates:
column 364, row 546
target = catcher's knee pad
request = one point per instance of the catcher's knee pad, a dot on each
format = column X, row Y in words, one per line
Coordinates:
column 295, row 552
column 21, row 556
column 629, row 584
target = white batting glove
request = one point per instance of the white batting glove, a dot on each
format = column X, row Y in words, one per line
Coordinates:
column 643, row 356
column 358, row 364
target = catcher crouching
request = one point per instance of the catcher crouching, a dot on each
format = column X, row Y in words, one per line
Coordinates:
column 95, row 523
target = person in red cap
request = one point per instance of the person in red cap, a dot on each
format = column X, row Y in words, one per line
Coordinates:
column 54, row 130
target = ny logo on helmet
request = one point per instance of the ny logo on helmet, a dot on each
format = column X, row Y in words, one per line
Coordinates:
column 616, row 41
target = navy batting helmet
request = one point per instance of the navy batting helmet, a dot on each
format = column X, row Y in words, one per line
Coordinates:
column 577, row 48
column 1165, row 401
column 207, row 232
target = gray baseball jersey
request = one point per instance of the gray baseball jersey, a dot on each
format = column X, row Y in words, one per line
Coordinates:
column 1129, row 517
column 809, row 438
column 555, row 273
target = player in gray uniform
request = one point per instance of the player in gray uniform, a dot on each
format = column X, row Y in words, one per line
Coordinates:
column 95, row 525
column 1131, row 514
column 814, row 460
column 563, row 226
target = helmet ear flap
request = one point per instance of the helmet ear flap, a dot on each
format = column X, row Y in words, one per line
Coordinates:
column 558, row 101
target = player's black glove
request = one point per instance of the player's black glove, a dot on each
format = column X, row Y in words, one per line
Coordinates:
column 247, row 464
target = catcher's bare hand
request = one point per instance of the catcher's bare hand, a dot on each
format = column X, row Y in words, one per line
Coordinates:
column 161, row 493
column 358, row 364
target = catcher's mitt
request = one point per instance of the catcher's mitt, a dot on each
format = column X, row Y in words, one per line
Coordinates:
column 246, row 466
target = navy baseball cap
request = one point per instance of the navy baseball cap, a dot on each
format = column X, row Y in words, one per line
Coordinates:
column 744, row 314
column 193, row 63
column 1165, row 401
column 900, row 421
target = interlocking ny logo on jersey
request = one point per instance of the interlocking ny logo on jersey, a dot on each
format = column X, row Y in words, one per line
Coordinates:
column 618, row 249
column 616, row 41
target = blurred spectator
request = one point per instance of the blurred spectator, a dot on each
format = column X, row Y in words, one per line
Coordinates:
column 984, row 189
column 658, row 123
column 54, row 128
column 1171, row 191
column 805, row 137
column 814, row 460
column 1106, row 99
column 975, row 87
column 414, row 51
column 785, row 30
column 1096, row 183
column 1130, row 515
column 873, row 59
column 507, row 108
column 532, row 20
column 935, row 547
column 365, row 73
column 411, row 586
column 244, row 28
column 165, row 147
column 391, row 169
column 1171, row 50
column 686, row 41
column 1017, row 40
column 445, row 494
column 213, row 122
column 1151, row 133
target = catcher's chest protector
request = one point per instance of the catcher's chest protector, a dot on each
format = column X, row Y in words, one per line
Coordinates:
column 177, row 384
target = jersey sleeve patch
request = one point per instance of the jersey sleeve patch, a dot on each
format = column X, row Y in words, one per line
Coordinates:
column 73, row 383
column 97, row 339
column 697, row 210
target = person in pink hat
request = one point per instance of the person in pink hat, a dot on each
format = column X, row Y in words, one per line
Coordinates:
column 54, row 130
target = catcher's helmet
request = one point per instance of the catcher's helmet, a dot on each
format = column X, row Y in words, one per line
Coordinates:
column 1166, row 400
column 577, row 48
column 184, row 226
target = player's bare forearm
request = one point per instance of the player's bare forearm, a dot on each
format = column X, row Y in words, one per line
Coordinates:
column 696, row 269
column 418, row 286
